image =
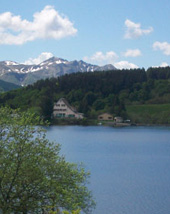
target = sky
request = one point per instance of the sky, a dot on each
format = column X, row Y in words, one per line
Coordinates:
column 125, row 33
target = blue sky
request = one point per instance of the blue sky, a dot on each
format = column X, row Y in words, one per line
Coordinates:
column 125, row 33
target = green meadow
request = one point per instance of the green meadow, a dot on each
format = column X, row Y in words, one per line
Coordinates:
column 149, row 113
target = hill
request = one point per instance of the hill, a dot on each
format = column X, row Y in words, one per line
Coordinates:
column 7, row 86
column 121, row 92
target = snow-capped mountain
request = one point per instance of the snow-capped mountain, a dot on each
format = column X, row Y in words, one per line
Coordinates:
column 27, row 74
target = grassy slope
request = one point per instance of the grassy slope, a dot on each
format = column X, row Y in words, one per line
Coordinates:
column 149, row 114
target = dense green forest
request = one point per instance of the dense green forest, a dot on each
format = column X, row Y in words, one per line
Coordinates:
column 120, row 92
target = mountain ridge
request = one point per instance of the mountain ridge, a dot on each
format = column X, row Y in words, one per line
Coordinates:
column 23, row 74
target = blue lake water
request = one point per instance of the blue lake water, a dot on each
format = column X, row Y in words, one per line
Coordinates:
column 130, row 167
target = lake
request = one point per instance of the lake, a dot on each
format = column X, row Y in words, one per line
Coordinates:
column 130, row 167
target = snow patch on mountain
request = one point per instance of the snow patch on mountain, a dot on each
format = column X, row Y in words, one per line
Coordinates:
column 52, row 67
column 11, row 63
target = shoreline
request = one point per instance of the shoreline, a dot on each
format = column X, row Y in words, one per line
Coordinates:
column 95, row 122
column 104, row 123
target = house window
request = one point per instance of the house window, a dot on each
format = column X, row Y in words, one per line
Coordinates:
column 60, row 115
column 61, row 109
column 71, row 115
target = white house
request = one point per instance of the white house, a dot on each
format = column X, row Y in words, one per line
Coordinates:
column 118, row 119
column 62, row 109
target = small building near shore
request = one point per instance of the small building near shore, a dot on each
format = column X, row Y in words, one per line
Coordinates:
column 105, row 116
column 62, row 109
column 118, row 120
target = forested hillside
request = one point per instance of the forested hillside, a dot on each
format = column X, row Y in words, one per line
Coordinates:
column 114, row 91
column 7, row 86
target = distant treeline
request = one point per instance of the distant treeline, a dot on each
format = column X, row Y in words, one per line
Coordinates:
column 94, row 92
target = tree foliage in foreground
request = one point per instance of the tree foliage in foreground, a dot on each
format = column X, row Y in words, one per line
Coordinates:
column 34, row 177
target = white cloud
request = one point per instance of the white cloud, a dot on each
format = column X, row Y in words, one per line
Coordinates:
column 110, row 57
column 125, row 65
column 134, row 30
column 35, row 61
column 101, row 59
column 163, row 64
column 46, row 24
column 132, row 53
column 163, row 46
